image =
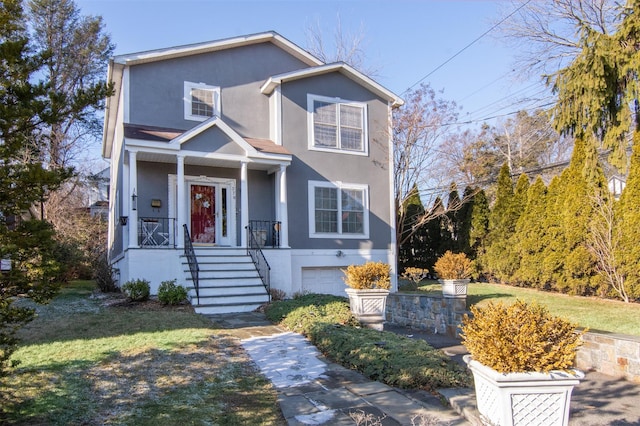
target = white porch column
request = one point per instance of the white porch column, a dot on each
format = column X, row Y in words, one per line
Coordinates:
column 181, row 208
column 281, row 203
column 127, row 195
column 244, row 204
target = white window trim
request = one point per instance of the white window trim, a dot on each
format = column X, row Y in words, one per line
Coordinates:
column 310, row 125
column 340, row 186
column 188, row 86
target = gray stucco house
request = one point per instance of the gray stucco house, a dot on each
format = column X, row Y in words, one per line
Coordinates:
column 219, row 148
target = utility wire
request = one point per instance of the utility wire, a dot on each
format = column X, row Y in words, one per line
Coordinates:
column 466, row 47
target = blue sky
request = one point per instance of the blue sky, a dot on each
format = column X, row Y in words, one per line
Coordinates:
column 405, row 40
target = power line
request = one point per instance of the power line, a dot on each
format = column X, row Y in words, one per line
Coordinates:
column 466, row 47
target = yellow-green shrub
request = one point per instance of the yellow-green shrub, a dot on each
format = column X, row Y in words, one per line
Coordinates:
column 520, row 337
column 368, row 276
column 453, row 266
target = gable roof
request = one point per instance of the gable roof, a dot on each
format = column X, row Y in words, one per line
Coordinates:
column 213, row 46
column 341, row 67
column 164, row 134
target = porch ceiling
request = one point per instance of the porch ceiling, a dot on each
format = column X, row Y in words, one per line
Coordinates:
column 170, row 158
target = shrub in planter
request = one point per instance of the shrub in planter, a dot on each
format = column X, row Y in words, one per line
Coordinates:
column 518, row 353
column 453, row 266
column 170, row 293
column 369, row 287
column 371, row 275
column 137, row 290
column 520, row 337
column 454, row 270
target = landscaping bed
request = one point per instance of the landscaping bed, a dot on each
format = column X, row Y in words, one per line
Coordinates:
column 384, row 356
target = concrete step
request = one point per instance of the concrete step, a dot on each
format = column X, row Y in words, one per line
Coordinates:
column 235, row 274
column 225, row 309
column 231, row 299
column 237, row 290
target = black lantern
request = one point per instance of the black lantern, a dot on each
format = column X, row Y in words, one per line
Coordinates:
column 123, row 220
column 134, row 200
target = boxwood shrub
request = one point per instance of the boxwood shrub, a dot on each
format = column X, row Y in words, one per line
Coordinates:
column 137, row 290
column 383, row 356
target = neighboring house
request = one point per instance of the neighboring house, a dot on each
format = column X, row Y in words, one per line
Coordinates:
column 243, row 143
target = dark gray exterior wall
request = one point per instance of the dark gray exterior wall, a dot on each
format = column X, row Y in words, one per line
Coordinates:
column 213, row 140
column 156, row 89
column 152, row 184
column 307, row 165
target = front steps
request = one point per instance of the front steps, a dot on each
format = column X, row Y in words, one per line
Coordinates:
column 229, row 282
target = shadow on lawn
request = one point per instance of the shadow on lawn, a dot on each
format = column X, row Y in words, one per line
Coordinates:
column 472, row 299
column 209, row 381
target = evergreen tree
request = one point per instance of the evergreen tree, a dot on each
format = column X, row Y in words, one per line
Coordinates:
column 411, row 242
column 530, row 237
column 479, row 224
column 627, row 220
column 576, row 209
column 451, row 220
column 502, row 224
column 552, row 240
column 434, row 236
column 464, row 220
column 25, row 110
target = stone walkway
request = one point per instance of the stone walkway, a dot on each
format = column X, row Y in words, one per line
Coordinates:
column 313, row 391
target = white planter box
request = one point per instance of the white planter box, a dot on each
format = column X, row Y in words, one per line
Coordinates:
column 368, row 306
column 523, row 399
column 455, row 288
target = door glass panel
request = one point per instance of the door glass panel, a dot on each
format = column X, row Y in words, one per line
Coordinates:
column 203, row 219
column 223, row 209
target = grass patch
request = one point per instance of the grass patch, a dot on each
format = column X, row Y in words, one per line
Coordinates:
column 395, row 360
column 138, row 364
column 603, row 315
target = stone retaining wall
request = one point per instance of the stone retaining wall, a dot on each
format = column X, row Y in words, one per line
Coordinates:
column 434, row 313
column 612, row 354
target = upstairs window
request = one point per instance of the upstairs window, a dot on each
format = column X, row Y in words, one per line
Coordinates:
column 338, row 210
column 201, row 101
column 337, row 125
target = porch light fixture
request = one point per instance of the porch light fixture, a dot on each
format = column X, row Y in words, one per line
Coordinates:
column 123, row 220
column 134, row 200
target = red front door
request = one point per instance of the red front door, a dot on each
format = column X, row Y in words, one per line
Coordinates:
column 203, row 214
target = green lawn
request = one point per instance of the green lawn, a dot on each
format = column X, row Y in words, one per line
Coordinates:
column 84, row 363
column 596, row 314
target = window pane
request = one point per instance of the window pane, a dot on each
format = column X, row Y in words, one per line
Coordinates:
column 325, row 124
column 326, row 222
column 326, row 209
column 202, row 102
column 351, row 139
column 325, row 136
column 351, row 116
column 352, row 211
column 324, row 112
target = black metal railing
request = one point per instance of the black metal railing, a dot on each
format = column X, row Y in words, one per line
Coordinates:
column 157, row 232
column 190, row 254
column 266, row 233
column 257, row 256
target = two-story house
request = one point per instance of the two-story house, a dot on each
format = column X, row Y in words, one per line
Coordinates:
column 248, row 145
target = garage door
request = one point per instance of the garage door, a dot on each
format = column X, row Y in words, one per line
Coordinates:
column 323, row 280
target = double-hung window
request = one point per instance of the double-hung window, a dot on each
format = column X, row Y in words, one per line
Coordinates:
column 201, row 101
column 337, row 125
column 338, row 209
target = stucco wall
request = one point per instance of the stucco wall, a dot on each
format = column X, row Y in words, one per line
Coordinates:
column 372, row 169
column 156, row 89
